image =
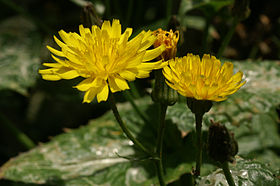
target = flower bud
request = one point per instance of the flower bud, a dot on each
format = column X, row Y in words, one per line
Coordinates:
column 221, row 143
column 170, row 40
column 162, row 92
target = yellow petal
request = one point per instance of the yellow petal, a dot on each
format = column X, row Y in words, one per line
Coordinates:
column 64, row 36
column 60, row 61
column 61, row 44
column 48, row 71
column 152, row 54
column 106, row 26
column 85, row 84
column 124, row 37
column 117, row 84
column 67, row 73
column 51, row 77
column 116, row 29
column 90, row 95
column 103, row 94
column 128, row 75
column 82, row 30
column 55, row 65
column 56, row 52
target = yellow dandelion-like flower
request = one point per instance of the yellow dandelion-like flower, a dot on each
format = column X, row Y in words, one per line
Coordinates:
column 104, row 57
column 169, row 40
column 202, row 79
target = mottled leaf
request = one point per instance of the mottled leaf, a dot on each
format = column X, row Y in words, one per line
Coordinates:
column 96, row 154
column 244, row 172
column 20, row 46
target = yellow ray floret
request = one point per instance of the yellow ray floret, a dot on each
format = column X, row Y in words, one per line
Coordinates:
column 104, row 57
column 202, row 79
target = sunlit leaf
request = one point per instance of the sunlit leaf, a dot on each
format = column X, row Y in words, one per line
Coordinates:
column 19, row 57
column 244, row 172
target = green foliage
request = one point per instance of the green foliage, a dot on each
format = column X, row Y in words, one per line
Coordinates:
column 19, row 58
column 244, row 172
column 100, row 154
column 93, row 154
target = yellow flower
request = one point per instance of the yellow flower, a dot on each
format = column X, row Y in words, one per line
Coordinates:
column 169, row 40
column 104, row 57
column 202, row 79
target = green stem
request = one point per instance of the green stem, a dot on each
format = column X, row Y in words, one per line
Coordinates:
column 16, row 133
column 161, row 128
column 129, row 97
column 124, row 127
column 228, row 174
column 228, row 37
column 198, row 126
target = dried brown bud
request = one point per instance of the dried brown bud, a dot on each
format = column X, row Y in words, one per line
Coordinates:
column 221, row 143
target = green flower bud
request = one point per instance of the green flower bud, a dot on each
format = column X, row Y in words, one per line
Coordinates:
column 162, row 93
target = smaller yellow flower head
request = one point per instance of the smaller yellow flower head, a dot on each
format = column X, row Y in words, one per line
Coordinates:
column 169, row 40
column 202, row 79
column 104, row 57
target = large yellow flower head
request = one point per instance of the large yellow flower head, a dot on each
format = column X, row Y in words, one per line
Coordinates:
column 202, row 79
column 104, row 57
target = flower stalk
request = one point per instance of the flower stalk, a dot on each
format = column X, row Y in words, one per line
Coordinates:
column 227, row 173
column 124, row 127
column 198, row 126
column 161, row 128
column 199, row 108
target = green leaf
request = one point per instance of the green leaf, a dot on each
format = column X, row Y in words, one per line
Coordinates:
column 93, row 155
column 20, row 46
column 244, row 172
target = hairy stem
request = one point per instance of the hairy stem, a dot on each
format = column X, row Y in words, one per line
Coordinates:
column 228, row 174
column 161, row 128
column 124, row 127
column 198, row 126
